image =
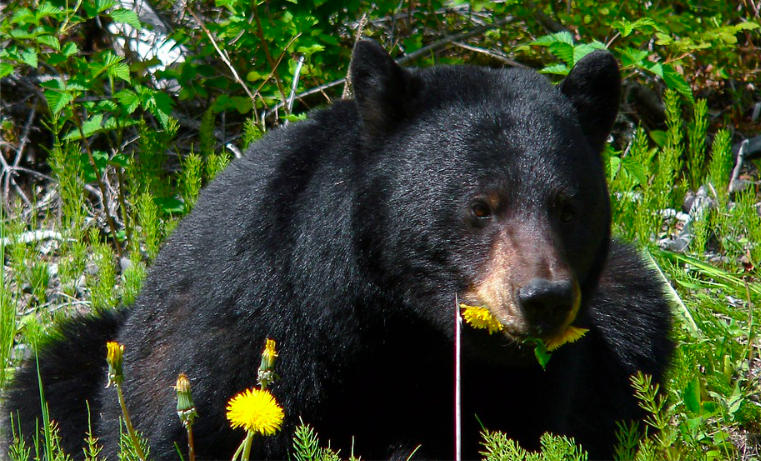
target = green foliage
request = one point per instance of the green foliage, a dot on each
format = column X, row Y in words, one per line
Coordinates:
column 720, row 165
column 215, row 163
column 102, row 291
column 666, row 41
column 150, row 230
column 91, row 449
column 17, row 449
column 562, row 46
column 38, row 277
column 133, row 278
column 8, row 326
column 498, row 447
column 127, row 449
column 206, row 134
column 306, row 446
column 190, row 179
column 251, row 132
column 697, row 135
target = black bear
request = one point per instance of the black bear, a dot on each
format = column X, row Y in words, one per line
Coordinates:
column 347, row 238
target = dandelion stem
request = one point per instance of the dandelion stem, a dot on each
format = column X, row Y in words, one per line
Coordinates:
column 191, row 444
column 247, row 445
column 239, row 450
column 128, row 423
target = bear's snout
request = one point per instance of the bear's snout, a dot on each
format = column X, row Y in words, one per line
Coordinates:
column 549, row 306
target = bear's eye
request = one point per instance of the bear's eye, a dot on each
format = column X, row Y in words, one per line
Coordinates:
column 565, row 210
column 566, row 215
column 480, row 210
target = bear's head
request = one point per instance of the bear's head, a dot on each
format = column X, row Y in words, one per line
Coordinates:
column 485, row 184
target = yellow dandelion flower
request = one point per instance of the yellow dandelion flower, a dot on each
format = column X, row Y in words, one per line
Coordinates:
column 571, row 334
column 255, row 410
column 480, row 317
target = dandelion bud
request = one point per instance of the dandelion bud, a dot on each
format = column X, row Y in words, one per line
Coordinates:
column 186, row 409
column 115, row 358
column 266, row 369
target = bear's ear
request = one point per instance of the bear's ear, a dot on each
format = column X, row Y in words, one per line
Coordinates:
column 384, row 91
column 594, row 88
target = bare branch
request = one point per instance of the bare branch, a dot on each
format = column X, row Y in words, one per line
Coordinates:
column 224, row 58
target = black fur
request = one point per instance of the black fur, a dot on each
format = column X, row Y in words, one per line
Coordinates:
column 345, row 238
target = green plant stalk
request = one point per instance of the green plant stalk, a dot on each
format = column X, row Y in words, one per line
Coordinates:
column 128, row 423
column 101, row 186
column 697, row 137
column 7, row 313
column 240, row 449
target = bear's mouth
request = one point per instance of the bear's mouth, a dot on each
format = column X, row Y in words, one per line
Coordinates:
column 517, row 323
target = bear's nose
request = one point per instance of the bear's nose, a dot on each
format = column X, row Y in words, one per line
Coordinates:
column 546, row 303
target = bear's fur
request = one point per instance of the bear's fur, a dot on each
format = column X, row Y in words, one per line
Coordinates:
column 347, row 238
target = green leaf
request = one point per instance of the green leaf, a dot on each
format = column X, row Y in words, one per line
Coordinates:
column 614, row 164
column 48, row 9
column 691, row 396
column 50, row 41
column 747, row 25
column 557, row 69
column 69, row 49
column 624, row 27
column 563, row 51
column 29, row 57
column 103, row 5
column 22, row 34
column 170, row 205
column 101, row 160
column 24, row 16
column 541, row 353
column 560, row 37
column 229, row 4
column 105, row 105
column 120, row 70
column 119, row 160
column 663, row 39
column 160, row 105
column 676, row 81
column 635, row 169
column 584, row 49
column 633, row 56
column 126, row 17
column 654, row 67
column 6, row 69
column 242, row 104
column 89, row 127
column 57, row 100
column 128, row 99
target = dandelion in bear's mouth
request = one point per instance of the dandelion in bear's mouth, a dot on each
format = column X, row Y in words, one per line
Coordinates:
column 481, row 318
column 255, row 410
column 570, row 335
